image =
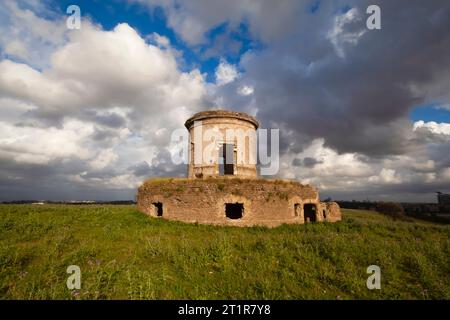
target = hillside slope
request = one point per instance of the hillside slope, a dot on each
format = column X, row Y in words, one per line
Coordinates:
column 124, row 254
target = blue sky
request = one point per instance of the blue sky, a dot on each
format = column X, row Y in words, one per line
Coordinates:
column 431, row 112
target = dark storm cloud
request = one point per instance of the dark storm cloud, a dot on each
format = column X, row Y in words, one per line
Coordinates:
column 408, row 192
column 141, row 169
column 297, row 162
column 360, row 102
column 112, row 120
column 103, row 135
column 39, row 181
column 439, row 153
column 307, row 162
column 310, row 162
column 49, row 181
column 222, row 45
column 163, row 166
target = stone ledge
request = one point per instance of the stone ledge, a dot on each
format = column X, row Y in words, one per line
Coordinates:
column 211, row 114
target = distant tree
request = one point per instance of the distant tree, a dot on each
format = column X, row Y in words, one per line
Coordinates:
column 392, row 209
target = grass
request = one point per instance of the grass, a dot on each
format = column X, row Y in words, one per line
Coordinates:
column 124, row 254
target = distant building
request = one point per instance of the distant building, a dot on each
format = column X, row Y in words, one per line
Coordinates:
column 443, row 198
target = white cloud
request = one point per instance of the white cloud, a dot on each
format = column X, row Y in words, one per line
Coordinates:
column 42, row 145
column 331, row 170
column 160, row 40
column 245, row 90
column 387, row 176
column 105, row 69
column 226, row 73
column 340, row 37
column 96, row 80
column 17, row 48
column 103, row 159
column 28, row 37
column 434, row 127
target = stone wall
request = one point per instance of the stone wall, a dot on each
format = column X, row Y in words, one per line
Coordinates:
column 265, row 202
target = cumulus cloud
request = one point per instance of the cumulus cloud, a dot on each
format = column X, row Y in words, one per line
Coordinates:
column 28, row 37
column 103, row 159
column 385, row 176
column 245, row 90
column 106, row 103
column 225, row 73
column 42, row 145
column 324, row 167
column 438, row 128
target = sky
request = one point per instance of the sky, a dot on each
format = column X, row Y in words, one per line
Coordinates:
column 87, row 114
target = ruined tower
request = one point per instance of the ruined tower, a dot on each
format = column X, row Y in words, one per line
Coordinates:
column 222, row 186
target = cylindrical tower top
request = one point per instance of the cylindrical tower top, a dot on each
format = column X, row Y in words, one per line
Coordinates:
column 203, row 115
column 222, row 143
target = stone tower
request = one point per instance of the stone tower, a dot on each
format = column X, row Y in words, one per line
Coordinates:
column 223, row 187
column 222, row 143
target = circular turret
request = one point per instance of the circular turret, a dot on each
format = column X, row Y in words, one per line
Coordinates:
column 222, row 143
column 215, row 114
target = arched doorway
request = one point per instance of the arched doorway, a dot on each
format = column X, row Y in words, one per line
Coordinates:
column 310, row 212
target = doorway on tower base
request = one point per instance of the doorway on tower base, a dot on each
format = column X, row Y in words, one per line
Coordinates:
column 158, row 208
column 310, row 212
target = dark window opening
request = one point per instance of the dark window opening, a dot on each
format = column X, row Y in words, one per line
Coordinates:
column 158, row 208
column 310, row 212
column 226, row 159
column 234, row 210
column 324, row 214
column 297, row 209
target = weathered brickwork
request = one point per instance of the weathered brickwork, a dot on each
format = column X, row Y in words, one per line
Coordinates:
column 264, row 202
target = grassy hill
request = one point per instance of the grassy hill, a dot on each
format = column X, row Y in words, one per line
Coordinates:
column 124, row 254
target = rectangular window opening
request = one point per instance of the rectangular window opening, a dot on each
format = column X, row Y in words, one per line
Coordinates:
column 297, row 209
column 158, row 208
column 226, row 159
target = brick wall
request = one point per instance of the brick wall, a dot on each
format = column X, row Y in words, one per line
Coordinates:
column 265, row 202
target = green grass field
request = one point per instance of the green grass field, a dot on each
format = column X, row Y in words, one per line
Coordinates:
column 124, row 254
